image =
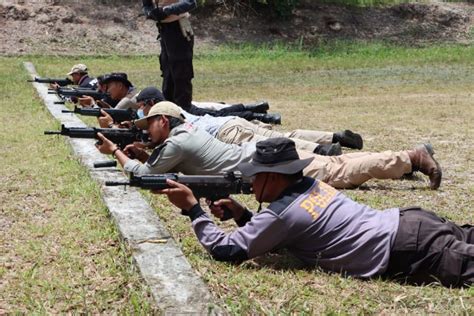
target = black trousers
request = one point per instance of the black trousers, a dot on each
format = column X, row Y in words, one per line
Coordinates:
column 176, row 63
column 233, row 110
column 429, row 249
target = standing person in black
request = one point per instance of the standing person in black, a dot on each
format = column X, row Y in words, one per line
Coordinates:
column 177, row 41
column 176, row 59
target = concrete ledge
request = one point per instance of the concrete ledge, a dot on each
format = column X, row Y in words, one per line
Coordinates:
column 176, row 288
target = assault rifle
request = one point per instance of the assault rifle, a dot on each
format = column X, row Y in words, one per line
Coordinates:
column 120, row 136
column 118, row 115
column 61, row 82
column 212, row 188
column 78, row 92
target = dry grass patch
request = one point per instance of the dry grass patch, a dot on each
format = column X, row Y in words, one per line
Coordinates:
column 396, row 98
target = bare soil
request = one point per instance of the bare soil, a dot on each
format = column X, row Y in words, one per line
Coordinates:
column 68, row 27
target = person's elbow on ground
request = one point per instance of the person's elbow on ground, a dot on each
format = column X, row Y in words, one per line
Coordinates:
column 229, row 253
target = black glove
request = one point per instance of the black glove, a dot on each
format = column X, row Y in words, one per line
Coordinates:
column 157, row 14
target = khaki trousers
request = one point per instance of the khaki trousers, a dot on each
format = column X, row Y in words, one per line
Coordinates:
column 238, row 131
column 351, row 170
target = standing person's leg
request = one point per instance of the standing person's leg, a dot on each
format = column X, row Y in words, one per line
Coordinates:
column 179, row 59
column 182, row 72
column 167, row 86
column 429, row 249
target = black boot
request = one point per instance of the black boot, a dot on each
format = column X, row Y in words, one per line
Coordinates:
column 348, row 139
column 273, row 118
column 329, row 150
column 260, row 107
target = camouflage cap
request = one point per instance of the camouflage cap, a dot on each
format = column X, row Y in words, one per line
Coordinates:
column 79, row 68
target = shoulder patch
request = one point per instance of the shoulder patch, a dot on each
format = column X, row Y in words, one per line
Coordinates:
column 153, row 159
column 188, row 126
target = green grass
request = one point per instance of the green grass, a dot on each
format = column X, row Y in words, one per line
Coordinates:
column 60, row 251
column 395, row 97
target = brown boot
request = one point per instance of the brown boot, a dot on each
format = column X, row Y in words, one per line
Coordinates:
column 421, row 158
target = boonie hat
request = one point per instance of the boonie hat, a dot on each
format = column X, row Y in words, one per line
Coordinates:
column 79, row 68
column 276, row 155
column 150, row 93
column 117, row 76
column 161, row 108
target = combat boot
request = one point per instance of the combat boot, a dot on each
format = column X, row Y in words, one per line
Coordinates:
column 348, row 139
column 273, row 118
column 329, row 150
column 260, row 107
column 422, row 160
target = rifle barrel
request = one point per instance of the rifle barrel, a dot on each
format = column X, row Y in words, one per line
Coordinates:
column 67, row 111
column 105, row 164
column 52, row 132
column 115, row 183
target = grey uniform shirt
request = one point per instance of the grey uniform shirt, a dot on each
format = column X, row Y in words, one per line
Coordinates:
column 316, row 223
column 191, row 150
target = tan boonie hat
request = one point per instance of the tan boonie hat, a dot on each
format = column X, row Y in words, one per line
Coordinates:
column 79, row 68
column 161, row 108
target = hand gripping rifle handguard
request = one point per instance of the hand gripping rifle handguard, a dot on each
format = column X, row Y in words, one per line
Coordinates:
column 213, row 187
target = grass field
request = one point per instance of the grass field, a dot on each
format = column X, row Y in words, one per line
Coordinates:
column 61, row 253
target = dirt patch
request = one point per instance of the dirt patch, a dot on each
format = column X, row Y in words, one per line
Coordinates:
column 75, row 27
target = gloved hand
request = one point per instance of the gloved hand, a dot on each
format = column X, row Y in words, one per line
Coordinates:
column 157, row 14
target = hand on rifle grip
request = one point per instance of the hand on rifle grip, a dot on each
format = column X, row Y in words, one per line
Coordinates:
column 225, row 209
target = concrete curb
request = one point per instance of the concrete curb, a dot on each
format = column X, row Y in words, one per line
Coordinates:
column 175, row 286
